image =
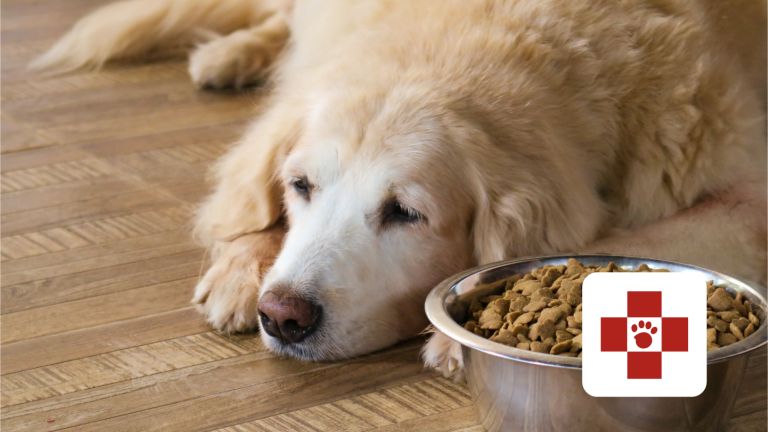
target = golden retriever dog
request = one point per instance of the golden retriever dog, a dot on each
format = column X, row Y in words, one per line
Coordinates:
column 405, row 141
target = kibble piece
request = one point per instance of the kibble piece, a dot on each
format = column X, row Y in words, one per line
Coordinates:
column 577, row 317
column 717, row 323
column 550, row 276
column 524, row 318
column 541, row 347
column 573, row 331
column 753, row 319
column 572, row 322
column 512, row 316
column 711, row 335
column 535, row 306
column 518, row 303
column 741, row 323
column 720, row 300
column 543, row 294
column 749, row 330
column 573, row 268
column 527, row 287
column 577, row 341
column 561, row 335
column 519, row 329
column 736, row 331
column 739, row 308
column 506, row 337
column 551, row 314
column 542, row 330
column 524, row 345
column 470, row 325
column 573, row 298
column 561, row 347
column 566, row 308
column 710, row 288
column 724, row 339
column 500, row 305
column 490, row 320
column 728, row 316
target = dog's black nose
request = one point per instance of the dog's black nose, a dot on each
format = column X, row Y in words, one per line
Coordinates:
column 287, row 317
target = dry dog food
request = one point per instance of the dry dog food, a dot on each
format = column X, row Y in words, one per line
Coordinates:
column 541, row 311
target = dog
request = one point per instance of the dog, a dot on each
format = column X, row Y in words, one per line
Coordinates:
column 405, row 141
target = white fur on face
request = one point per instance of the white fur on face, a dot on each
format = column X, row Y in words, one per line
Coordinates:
column 341, row 255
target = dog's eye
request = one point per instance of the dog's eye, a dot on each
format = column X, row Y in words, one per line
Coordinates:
column 396, row 213
column 301, row 186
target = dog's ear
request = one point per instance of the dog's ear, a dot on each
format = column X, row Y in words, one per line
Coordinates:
column 522, row 216
column 248, row 194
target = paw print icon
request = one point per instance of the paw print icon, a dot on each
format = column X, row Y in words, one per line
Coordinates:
column 643, row 333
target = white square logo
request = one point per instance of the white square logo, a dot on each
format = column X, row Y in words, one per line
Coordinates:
column 644, row 334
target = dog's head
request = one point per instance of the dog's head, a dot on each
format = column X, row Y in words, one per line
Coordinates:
column 386, row 195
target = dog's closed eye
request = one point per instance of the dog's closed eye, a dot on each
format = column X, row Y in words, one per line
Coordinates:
column 393, row 212
column 302, row 186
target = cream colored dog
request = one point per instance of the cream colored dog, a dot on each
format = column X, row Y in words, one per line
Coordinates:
column 408, row 140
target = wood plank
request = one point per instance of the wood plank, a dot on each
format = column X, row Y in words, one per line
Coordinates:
column 140, row 268
column 167, row 388
column 79, row 248
column 98, row 310
column 95, row 231
column 333, row 381
column 54, row 174
column 67, row 408
column 49, row 350
column 413, row 406
column 83, row 210
column 33, row 158
column 121, row 365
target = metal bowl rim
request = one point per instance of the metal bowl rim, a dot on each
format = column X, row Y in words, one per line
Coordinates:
column 439, row 317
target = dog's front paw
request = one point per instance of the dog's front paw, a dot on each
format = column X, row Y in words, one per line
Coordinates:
column 444, row 354
column 228, row 294
column 230, row 61
column 228, row 300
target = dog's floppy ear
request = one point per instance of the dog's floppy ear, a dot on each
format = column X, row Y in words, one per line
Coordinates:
column 521, row 213
column 248, row 195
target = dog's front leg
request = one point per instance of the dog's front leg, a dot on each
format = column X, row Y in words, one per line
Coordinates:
column 228, row 294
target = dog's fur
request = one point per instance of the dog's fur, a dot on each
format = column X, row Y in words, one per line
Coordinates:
column 502, row 128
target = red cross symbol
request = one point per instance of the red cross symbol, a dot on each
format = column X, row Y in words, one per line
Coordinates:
column 643, row 364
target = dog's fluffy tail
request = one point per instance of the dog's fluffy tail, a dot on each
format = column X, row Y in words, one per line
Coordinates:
column 135, row 27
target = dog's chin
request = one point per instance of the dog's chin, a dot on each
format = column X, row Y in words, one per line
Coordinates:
column 312, row 348
column 321, row 346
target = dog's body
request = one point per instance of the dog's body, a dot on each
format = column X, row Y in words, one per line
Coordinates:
column 413, row 139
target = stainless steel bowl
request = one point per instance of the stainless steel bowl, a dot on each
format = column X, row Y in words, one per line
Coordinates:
column 517, row 390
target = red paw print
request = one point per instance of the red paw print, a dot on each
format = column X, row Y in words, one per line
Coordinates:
column 643, row 339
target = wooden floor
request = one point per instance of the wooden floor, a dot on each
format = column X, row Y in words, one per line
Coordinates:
column 99, row 175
